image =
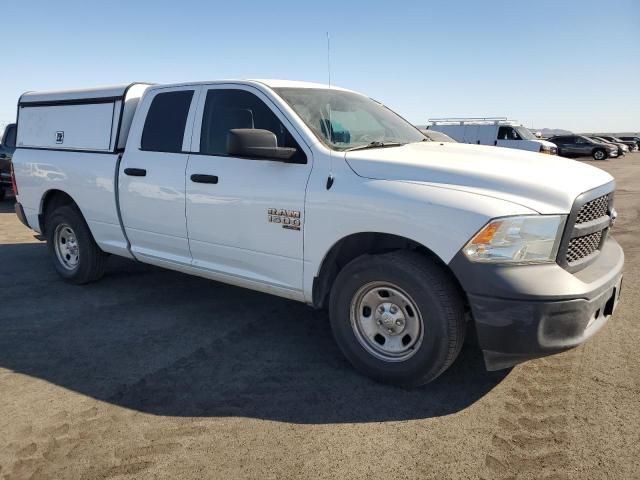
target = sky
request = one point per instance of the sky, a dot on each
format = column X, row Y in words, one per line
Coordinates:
column 557, row 64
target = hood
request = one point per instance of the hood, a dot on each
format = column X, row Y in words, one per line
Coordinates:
column 544, row 183
column 546, row 143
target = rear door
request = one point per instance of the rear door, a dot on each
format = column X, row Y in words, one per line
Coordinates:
column 471, row 134
column 487, row 134
column 152, row 176
column 246, row 220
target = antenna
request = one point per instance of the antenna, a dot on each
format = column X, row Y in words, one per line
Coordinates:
column 329, row 58
column 330, row 126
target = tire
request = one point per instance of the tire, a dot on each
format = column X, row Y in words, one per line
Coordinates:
column 75, row 254
column 599, row 154
column 3, row 193
column 425, row 294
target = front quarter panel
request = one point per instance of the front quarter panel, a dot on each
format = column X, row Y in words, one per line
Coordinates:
column 439, row 218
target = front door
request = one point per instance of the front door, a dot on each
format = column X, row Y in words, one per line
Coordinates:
column 152, row 181
column 245, row 216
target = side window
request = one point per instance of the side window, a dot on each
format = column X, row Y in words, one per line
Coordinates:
column 166, row 121
column 579, row 140
column 228, row 109
column 508, row 133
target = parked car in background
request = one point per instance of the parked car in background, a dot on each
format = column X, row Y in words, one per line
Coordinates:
column 581, row 146
column 7, row 148
column 632, row 139
column 622, row 148
column 437, row 136
column 633, row 146
column 499, row 132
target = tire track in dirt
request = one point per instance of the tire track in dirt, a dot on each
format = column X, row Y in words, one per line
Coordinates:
column 65, row 447
column 533, row 437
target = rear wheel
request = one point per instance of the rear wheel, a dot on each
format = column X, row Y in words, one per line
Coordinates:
column 75, row 254
column 599, row 154
column 398, row 317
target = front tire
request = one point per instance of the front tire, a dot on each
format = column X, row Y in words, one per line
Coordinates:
column 398, row 317
column 75, row 254
column 599, row 154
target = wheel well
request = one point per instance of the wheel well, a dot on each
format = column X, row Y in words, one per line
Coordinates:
column 52, row 200
column 354, row 246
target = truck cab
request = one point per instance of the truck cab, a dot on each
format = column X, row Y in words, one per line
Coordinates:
column 322, row 195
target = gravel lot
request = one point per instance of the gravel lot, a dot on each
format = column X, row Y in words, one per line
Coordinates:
column 154, row 374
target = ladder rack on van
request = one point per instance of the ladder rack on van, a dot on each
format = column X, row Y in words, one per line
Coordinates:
column 473, row 121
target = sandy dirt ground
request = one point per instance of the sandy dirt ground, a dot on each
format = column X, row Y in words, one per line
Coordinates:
column 154, row 374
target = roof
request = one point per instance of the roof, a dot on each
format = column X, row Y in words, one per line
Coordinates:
column 118, row 91
column 275, row 83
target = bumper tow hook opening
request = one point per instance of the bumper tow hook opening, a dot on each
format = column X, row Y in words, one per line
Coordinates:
column 608, row 308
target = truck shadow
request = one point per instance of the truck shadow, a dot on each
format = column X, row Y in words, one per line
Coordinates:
column 169, row 344
column 7, row 205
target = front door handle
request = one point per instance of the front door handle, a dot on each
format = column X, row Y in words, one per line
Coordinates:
column 201, row 178
column 135, row 172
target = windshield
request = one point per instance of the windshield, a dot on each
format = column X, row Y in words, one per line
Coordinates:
column 525, row 133
column 345, row 120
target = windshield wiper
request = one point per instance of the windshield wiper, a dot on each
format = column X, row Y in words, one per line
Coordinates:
column 376, row 144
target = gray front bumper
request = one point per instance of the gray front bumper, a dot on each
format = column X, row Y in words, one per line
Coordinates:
column 523, row 312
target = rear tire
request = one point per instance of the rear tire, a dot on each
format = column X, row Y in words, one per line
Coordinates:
column 599, row 154
column 75, row 254
column 398, row 317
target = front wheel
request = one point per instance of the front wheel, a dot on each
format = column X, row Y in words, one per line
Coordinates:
column 599, row 154
column 398, row 317
column 75, row 254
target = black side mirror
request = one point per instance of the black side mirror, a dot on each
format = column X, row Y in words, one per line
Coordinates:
column 9, row 137
column 256, row 143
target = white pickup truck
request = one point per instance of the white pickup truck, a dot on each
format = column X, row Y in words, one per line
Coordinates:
column 325, row 196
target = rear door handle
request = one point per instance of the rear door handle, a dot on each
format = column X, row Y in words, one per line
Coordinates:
column 201, row 178
column 3, row 155
column 135, row 172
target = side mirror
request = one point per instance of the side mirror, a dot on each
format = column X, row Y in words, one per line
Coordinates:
column 256, row 143
column 9, row 137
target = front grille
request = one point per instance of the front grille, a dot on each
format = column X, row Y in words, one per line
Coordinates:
column 586, row 229
column 593, row 210
column 582, row 247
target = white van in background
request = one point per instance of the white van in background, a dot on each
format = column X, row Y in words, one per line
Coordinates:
column 498, row 131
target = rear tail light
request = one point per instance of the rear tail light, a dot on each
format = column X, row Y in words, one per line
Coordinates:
column 14, row 185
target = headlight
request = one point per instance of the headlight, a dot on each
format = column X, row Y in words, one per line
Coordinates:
column 548, row 150
column 526, row 239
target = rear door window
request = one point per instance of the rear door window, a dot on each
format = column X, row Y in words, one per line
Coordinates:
column 166, row 120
